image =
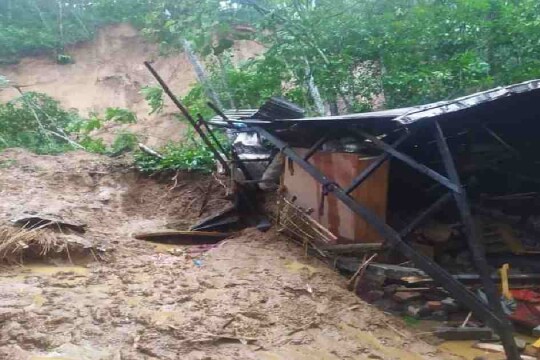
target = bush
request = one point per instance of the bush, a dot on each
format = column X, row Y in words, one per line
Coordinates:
column 121, row 116
column 37, row 122
column 154, row 97
column 189, row 154
column 63, row 59
column 124, row 142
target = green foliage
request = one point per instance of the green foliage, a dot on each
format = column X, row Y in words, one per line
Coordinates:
column 83, row 126
column 196, row 101
column 93, row 145
column 154, row 97
column 3, row 81
column 124, row 142
column 121, row 116
column 64, row 59
column 6, row 164
column 171, row 21
column 189, row 154
column 34, row 26
column 247, row 85
column 411, row 51
column 35, row 121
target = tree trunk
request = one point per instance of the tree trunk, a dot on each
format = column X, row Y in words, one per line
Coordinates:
column 314, row 91
column 201, row 74
column 223, row 72
column 61, row 24
column 41, row 17
column 334, row 110
column 9, row 10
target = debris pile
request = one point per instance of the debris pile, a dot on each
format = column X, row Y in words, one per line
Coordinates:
column 445, row 195
column 18, row 245
column 462, row 184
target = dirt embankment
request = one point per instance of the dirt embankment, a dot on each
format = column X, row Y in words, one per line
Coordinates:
column 109, row 72
column 255, row 296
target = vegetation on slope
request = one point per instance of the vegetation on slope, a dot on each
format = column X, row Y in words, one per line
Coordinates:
column 340, row 53
column 37, row 122
column 410, row 51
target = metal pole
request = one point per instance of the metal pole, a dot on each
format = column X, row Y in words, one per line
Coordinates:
column 210, row 133
column 505, row 330
column 375, row 165
column 220, row 113
column 189, row 118
column 433, row 208
column 409, row 160
column 454, row 287
column 316, row 146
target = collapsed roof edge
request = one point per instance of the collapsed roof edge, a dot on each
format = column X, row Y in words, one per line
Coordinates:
column 465, row 102
column 404, row 116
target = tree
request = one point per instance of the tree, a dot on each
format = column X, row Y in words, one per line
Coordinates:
column 412, row 51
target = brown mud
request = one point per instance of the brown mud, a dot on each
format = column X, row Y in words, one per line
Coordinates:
column 255, row 296
column 108, row 71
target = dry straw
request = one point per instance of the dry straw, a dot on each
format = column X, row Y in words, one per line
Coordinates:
column 299, row 225
column 16, row 243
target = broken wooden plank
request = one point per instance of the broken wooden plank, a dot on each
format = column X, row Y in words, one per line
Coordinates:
column 472, row 279
column 403, row 297
column 396, row 272
column 352, row 248
column 498, row 348
column 464, row 333
column 42, row 221
column 183, row 237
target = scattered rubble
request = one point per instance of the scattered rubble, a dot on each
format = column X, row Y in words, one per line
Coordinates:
column 149, row 300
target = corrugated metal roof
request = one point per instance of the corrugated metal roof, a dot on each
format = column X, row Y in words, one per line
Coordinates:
column 235, row 115
column 446, row 107
column 404, row 116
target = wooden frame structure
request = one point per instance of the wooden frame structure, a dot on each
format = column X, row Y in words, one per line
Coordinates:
column 491, row 312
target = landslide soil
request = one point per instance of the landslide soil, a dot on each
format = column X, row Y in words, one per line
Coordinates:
column 108, row 71
column 255, row 296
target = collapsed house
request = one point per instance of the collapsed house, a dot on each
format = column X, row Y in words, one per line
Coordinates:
column 449, row 187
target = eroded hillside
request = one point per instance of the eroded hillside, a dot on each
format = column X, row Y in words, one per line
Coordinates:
column 109, row 72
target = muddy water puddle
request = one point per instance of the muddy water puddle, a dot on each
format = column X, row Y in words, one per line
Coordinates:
column 42, row 269
column 298, row 267
column 164, row 248
column 22, row 286
column 463, row 349
column 45, row 269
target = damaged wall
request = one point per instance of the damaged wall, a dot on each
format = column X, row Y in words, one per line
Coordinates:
column 338, row 218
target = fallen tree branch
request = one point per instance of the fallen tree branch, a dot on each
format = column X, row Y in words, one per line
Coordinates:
column 150, row 151
column 71, row 142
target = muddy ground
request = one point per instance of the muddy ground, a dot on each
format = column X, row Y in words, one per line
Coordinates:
column 255, row 296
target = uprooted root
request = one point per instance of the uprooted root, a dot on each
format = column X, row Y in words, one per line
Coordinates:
column 17, row 244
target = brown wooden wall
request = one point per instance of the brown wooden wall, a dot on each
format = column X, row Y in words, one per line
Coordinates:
column 341, row 168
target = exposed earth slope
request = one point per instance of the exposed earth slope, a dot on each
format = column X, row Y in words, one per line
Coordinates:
column 109, row 72
column 255, row 296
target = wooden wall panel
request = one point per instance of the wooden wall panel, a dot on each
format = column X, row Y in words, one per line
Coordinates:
column 341, row 168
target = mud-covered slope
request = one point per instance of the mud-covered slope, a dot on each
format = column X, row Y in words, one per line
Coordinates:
column 255, row 296
column 109, row 72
